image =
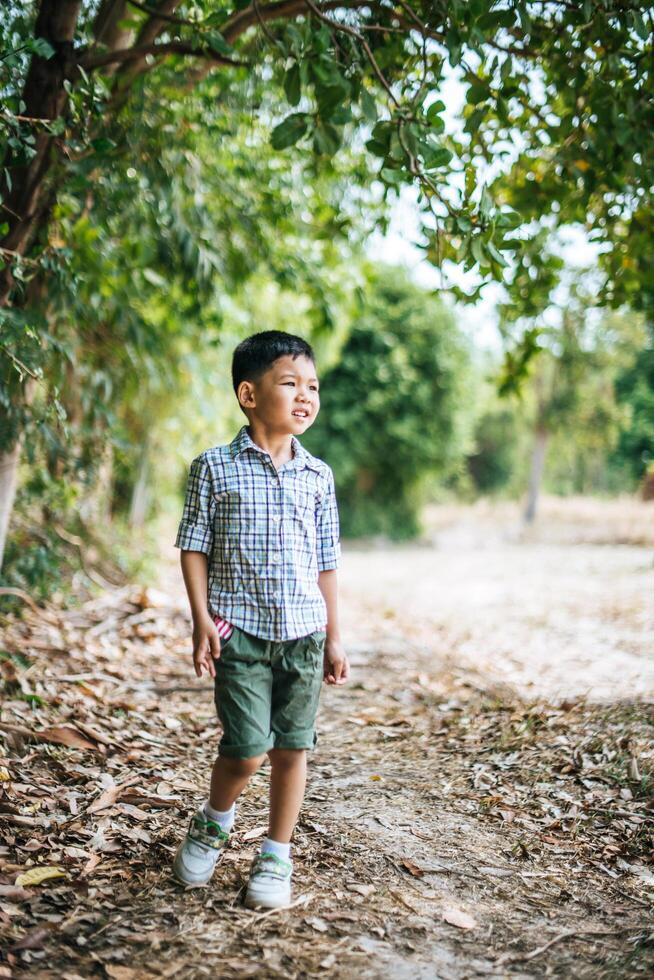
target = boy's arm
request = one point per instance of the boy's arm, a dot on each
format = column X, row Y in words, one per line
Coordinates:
column 336, row 665
column 206, row 641
column 195, row 541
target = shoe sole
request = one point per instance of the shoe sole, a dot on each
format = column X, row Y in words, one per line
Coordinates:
column 253, row 902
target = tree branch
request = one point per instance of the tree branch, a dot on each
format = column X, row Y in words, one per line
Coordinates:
column 169, row 18
column 346, row 29
column 171, row 47
column 239, row 22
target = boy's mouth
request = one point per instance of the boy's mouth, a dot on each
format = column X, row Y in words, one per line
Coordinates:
column 300, row 413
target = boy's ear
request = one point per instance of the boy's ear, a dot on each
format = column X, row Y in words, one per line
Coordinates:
column 245, row 395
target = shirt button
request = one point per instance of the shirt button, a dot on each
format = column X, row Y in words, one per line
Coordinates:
column 277, row 517
column 276, row 557
column 277, row 596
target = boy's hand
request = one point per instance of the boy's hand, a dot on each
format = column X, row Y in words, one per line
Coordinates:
column 336, row 666
column 206, row 646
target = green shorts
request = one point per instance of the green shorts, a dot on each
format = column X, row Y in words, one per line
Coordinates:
column 267, row 692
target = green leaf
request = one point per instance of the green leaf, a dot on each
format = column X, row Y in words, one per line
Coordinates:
column 102, row 144
column 475, row 119
column 289, row 131
column 478, row 92
column 495, row 254
column 40, row 46
column 329, row 97
column 377, row 148
column 433, row 154
column 508, row 219
column 326, row 138
column 453, row 44
column 368, row 106
column 485, row 204
column 292, row 85
column 478, row 252
column 342, row 115
column 639, row 24
column 392, row 176
column 219, row 44
column 434, row 109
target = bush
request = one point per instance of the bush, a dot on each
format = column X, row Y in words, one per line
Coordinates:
column 394, row 408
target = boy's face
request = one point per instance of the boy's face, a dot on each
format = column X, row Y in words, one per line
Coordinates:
column 286, row 397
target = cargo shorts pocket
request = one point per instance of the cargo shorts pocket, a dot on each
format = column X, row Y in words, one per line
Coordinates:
column 317, row 640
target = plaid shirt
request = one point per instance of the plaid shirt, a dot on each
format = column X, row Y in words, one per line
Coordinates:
column 266, row 532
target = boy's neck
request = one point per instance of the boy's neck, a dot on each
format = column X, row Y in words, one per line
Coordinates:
column 280, row 447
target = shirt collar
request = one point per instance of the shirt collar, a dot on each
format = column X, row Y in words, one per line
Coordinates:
column 243, row 441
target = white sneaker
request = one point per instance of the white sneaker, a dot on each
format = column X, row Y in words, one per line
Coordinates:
column 200, row 851
column 270, row 882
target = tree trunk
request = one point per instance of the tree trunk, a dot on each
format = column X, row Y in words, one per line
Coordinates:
column 95, row 508
column 535, row 477
column 45, row 97
column 140, row 492
column 9, row 461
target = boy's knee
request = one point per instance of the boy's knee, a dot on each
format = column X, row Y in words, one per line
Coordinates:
column 244, row 767
column 286, row 758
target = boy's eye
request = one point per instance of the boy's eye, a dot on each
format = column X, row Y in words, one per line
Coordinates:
column 313, row 387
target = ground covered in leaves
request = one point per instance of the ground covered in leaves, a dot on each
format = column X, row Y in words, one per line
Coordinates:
column 452, row 827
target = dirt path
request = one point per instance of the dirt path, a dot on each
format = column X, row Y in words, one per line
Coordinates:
column 457, row 823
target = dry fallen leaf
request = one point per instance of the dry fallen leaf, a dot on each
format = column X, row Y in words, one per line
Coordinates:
column 316, row 923
column 14, row 892
column 63, row 735
column 116, row 972
column 412, row 868
column 105, row 799
column 37, row 875
column 91, row 864
column 255, row 832
column 35, row 938
column 364, row 890
column 459, row 918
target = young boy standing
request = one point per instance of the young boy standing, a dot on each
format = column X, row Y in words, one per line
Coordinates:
column 259, row 540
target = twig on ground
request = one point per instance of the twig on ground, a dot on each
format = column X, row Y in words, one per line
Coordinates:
column 302, row 900
column 568, row 934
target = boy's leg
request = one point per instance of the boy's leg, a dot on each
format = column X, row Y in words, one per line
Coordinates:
column 297, row 678
column 242, row 692
column 287, row 783
column 229, row 778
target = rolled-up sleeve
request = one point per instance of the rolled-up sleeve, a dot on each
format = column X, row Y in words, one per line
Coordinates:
column 195, row 532
column 328, row 544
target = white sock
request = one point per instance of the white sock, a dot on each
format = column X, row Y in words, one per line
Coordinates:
column 224, row 818
column 274, row 847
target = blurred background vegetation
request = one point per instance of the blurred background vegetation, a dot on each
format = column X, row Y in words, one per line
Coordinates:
column 411, row 413
column 176, row 226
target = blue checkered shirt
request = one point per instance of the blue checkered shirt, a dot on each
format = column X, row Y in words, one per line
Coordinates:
column 266, row 532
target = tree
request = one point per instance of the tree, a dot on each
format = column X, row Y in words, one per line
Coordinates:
column 635, row 389
column 394, row 412
column 569, row 389
column 571, row 80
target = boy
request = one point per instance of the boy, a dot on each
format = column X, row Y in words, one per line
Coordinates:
column 259, row 540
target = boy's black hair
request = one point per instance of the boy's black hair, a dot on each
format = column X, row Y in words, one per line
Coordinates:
column 255, row 355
